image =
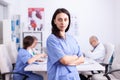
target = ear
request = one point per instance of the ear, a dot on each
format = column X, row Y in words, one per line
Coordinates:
column 54, row 21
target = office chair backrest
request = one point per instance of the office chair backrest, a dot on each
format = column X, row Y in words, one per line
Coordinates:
column 115, row 65
column 116, row 62
column 5, row 62
column 12, row 50
column 109, row 52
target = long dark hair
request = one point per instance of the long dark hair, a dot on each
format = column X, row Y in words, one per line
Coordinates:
column 55, row 30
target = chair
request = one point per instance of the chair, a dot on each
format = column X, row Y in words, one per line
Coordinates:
column 114, row 73
column 12, row 49
column 109, row 50
column 6, row 64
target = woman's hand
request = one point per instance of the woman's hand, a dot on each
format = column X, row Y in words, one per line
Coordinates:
column 38, row 57
column 81, row 60
column 43, row 55
column 78, row 61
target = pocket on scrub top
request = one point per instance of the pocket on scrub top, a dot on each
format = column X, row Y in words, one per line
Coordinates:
column 69, row 76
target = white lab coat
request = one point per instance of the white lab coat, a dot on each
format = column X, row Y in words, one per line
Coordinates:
column 98, row 54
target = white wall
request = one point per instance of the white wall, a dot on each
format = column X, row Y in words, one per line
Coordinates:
column 94, row 17
column 117, row 22
column 3, row 10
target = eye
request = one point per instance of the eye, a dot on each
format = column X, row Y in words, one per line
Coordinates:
column 66, row 19
column 60, row 19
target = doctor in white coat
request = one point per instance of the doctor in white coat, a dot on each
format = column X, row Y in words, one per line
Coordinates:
column 98, row 52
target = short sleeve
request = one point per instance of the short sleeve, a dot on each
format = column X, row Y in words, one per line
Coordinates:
column 55, row 52
column 24, row 55
column 79, row 53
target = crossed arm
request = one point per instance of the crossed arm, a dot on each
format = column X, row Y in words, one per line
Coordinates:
column 72, row 60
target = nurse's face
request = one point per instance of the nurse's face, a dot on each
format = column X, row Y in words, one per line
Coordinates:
column 62, row 21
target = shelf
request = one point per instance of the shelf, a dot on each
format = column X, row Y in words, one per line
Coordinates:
column 38, row 35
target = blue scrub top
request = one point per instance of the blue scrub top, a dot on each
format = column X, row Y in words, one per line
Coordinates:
column 57, row 48
column 22, row 61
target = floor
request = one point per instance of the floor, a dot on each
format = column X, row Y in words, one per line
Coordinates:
column 0, row 77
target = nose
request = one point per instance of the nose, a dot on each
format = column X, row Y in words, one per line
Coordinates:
column 62, row 22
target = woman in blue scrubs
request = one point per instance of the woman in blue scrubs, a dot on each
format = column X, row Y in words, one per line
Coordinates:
column 25, row 57
column 63, row 50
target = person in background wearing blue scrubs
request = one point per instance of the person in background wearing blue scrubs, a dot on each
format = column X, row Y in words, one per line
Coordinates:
column 25, row 57
column 63, row 50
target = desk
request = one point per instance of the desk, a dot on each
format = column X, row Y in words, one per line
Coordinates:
column 88, row 65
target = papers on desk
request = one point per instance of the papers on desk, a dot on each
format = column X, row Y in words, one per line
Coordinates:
column 43, row 62
column 87, row 63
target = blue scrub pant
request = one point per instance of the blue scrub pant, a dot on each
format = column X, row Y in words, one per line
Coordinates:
column 32, row 76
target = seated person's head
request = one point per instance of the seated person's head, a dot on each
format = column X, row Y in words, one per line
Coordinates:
column 93, row 40
column 29, row 42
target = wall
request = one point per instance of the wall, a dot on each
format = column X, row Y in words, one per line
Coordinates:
column 94, row 17
column 3, row 10
column 117, row 22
